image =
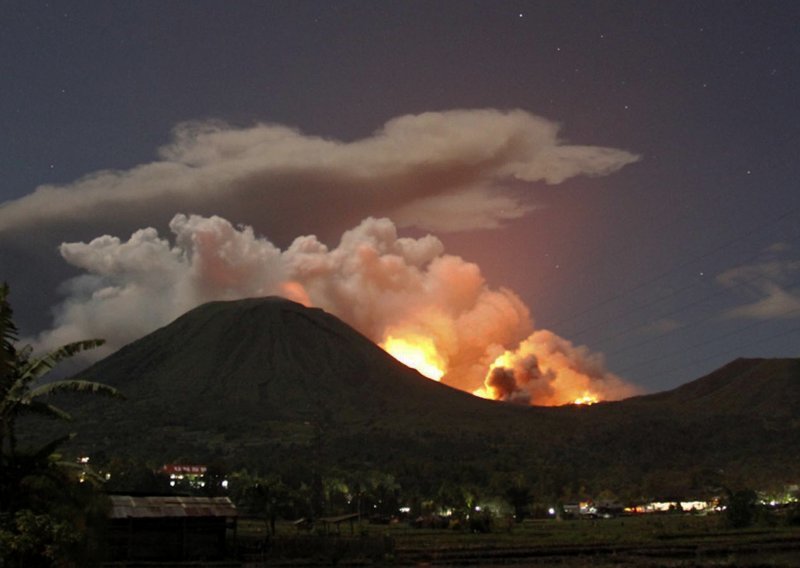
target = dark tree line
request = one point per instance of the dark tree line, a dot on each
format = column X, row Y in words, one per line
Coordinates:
column 48, row 508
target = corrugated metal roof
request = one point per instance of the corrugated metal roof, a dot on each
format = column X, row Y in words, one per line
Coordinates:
column 129, row 507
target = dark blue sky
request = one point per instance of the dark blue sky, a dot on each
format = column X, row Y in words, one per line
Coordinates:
column 670, row 266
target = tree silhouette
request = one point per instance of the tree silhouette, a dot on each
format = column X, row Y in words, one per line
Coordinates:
column 21, row 372
column 43, row 502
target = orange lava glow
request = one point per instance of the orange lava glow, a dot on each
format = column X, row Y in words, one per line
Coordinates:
column 587, row 399
column 482, row 392
column 417, row 352
column 541, row 371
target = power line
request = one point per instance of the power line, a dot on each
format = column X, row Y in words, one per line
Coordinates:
column 769, row 223
column 736, row 350
column 662, row 299
column 765, row 158
column 704, row 343
column 682, row 309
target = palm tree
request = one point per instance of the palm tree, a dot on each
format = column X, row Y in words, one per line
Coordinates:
column 20, row 372
column 43, row 519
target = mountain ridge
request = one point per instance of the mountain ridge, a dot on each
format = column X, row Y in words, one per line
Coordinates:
column 760, row 386
column 259, row 382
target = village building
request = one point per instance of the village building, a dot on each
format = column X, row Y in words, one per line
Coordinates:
column 170, row 528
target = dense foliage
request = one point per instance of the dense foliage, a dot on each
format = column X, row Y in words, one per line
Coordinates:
column 49, row 510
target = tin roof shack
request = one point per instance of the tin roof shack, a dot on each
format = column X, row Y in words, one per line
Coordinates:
column 328, row 522
column 169, row 528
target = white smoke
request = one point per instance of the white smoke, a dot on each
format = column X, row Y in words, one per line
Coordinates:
column 437, row 170
column 379, row 283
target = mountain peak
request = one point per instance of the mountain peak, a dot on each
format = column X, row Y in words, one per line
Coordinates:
column 743, row 386
column 265, row 381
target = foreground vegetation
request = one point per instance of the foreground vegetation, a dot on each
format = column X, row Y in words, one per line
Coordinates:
column 50, row 513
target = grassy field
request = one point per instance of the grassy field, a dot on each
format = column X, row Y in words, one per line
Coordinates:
column 669, row 540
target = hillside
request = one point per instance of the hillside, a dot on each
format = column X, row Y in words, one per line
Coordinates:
column 274, row 358
column 764, row 387
column 250, row 380
column 267, row 383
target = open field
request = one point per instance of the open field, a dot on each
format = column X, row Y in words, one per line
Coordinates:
column 628, row 541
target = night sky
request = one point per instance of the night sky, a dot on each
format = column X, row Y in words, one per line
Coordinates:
column 679, row 255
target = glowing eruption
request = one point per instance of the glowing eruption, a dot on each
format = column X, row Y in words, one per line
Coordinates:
column 431, row 310
column 587, row 399
column 418, row 353
column 482, row 392
column 548, row 370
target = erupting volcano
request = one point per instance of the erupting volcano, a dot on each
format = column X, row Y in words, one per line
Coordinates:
column 432, row 311
column 416, row 352
column 548, row 370
column 544, row 370
column 587, row 399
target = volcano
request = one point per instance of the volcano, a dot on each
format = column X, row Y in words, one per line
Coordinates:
column 247, row 378
column 260, row 382
column 271, row 359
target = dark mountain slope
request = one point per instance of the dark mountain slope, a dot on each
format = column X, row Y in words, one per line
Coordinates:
column 262, row 383
column 741, row 421
column 271, row 355
column 259, row 372
column 768, row 387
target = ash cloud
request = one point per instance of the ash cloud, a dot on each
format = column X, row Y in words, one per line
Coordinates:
column 440, row 171
column 378, row 282
column 523, row 382
column 548, row 370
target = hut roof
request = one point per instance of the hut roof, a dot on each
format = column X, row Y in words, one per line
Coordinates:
column 130, row 507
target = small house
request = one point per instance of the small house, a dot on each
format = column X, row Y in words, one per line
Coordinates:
column 169, row 528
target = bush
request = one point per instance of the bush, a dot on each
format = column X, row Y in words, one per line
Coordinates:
column 741, row 508
column 481, row 523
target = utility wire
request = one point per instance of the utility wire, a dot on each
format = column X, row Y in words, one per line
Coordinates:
column 735, row 350
column 670, row 295
column 664, row 274
column 695, row 346
column 683, row 308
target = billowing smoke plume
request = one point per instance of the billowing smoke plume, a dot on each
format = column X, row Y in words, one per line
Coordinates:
column 383, row 285
column 440, row 171
column 455, row 170
column 546, row 369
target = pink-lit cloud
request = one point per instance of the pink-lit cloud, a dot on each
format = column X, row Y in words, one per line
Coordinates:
column 378, row 282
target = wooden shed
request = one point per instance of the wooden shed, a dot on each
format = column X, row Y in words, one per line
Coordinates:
column 159, row 528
